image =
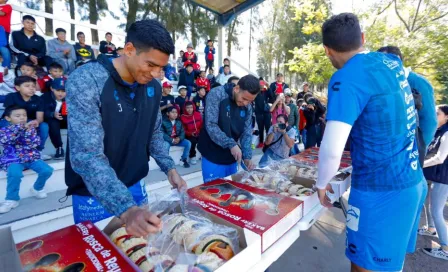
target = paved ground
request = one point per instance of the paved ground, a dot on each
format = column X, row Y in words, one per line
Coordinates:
column 322, row 248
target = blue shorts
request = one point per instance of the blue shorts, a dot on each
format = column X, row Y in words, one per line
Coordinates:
column 87, row 208
column 382, row 226
column 211, row 171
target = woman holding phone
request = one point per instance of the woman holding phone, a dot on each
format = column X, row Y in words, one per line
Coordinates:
column 279, row 141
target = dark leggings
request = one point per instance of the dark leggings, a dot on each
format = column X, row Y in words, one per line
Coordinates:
column 209, row 65
column 194, row 142
column 55, row 131
column 264, row 123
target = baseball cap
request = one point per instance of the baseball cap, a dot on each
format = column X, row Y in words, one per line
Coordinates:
column 263, row 84
column 58, row 84
column 305, row 83
column 190, row 45
column 288, row 92
column 166, row 84
column 181, row 87
column 311, row 101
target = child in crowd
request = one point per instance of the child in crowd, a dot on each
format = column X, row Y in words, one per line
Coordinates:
column 55, row 114
column 29, row 69
column 202, row 81
column 192, row 122
column 167, row 99
column 56, row 71
column 179, row 62
column 20, row 151
column 26, row 98
column 6, row 82
column 174, row 134
column 209, row 52
column 187, row 78
column 182, row 98
column 163, row 78
column 211, row 77
column 190, row 56
column 226, row 63
column 279, row 107
column 199, row 100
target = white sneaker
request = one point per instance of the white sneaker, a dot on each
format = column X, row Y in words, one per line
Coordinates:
column 45, row 157
column 8, row 205
column 193, row 160
column 38, row 194
column 424, row 231
column 436, row 253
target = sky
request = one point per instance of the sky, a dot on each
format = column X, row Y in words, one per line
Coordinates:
column 111, row 24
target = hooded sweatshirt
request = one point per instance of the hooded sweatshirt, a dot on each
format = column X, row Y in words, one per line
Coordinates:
column 192, row 123
column 55, row 49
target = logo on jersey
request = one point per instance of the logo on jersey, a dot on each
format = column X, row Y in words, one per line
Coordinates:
column 335, row 86
column 116, row 95
column 392, row 64
column 243, row 114
column 353, row 215
column 150, row 91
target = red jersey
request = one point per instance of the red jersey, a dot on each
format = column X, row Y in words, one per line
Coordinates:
column 203, row 82
column 193, row 59
column 279, row 88
column 5, row 20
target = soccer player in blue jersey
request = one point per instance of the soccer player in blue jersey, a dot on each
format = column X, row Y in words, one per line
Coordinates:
column 370, row 99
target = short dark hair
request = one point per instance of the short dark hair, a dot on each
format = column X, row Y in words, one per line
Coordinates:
column 170, row 109
column 201, row 87
column 189, row 103
column 59, row 29
column 226, row 59
column 28, row 64
column 108, row 33
column 150, row 34
column 306, row 96
column 189, row 65
column 249, row 83
column 80, row 33
column 23, row 79
column 56, row 65
column 209, row 41
column 443, row 108
column 226, row 66
column 9, row 110
column 232, row 78
column 300, row 101
column 211, row 69
column 390, row 49
column 28, row 17
column 216, row 84
column 283, row 116
column 342, row 32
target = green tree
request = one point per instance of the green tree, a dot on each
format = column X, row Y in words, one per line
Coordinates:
column 92, row 10
column 232, row 35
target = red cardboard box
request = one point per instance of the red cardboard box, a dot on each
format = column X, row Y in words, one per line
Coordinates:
column 311, row 156
column 267, row 214
column 81, row 247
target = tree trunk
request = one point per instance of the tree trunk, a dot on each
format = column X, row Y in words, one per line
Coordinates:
column 72, row 16
column 93, row 17
column 230, row 31
column 250, row 34
column 49, row 22
column 158, row 9
column 132, row 13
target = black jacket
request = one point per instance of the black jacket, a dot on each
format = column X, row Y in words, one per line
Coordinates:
column 49, row 105
column 261, row 103
column 105, row 50
column 187, row 79
column 273, row 88
column 312, row 116
column 128, row 117
column 437, row 173
column 21, row 44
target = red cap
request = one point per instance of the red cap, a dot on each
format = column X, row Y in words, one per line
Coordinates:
column 167, row 85
column 263, row 83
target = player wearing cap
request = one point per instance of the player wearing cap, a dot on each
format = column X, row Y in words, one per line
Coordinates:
column 55, row 114
column 369, row 99
column 167, row 99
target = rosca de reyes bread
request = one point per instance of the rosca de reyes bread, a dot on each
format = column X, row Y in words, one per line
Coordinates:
column 218, row 244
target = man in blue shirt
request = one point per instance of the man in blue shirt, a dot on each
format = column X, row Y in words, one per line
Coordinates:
column 370, row 99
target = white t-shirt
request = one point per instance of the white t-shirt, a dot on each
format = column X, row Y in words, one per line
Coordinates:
column 58, row 106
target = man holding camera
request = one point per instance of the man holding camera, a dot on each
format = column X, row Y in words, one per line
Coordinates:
column 313, row 112
column 279, row 141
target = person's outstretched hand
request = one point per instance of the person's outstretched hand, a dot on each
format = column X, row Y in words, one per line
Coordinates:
column 236, row 153
column 323, row 198
column 140, row 222
column 177, row 181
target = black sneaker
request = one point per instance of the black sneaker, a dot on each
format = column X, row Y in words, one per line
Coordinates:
column 186, row 164
column 59, row 154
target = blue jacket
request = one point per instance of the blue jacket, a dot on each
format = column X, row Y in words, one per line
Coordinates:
column 3, row 41
column 206, row 51
column 187, row 79
column 427, row 115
